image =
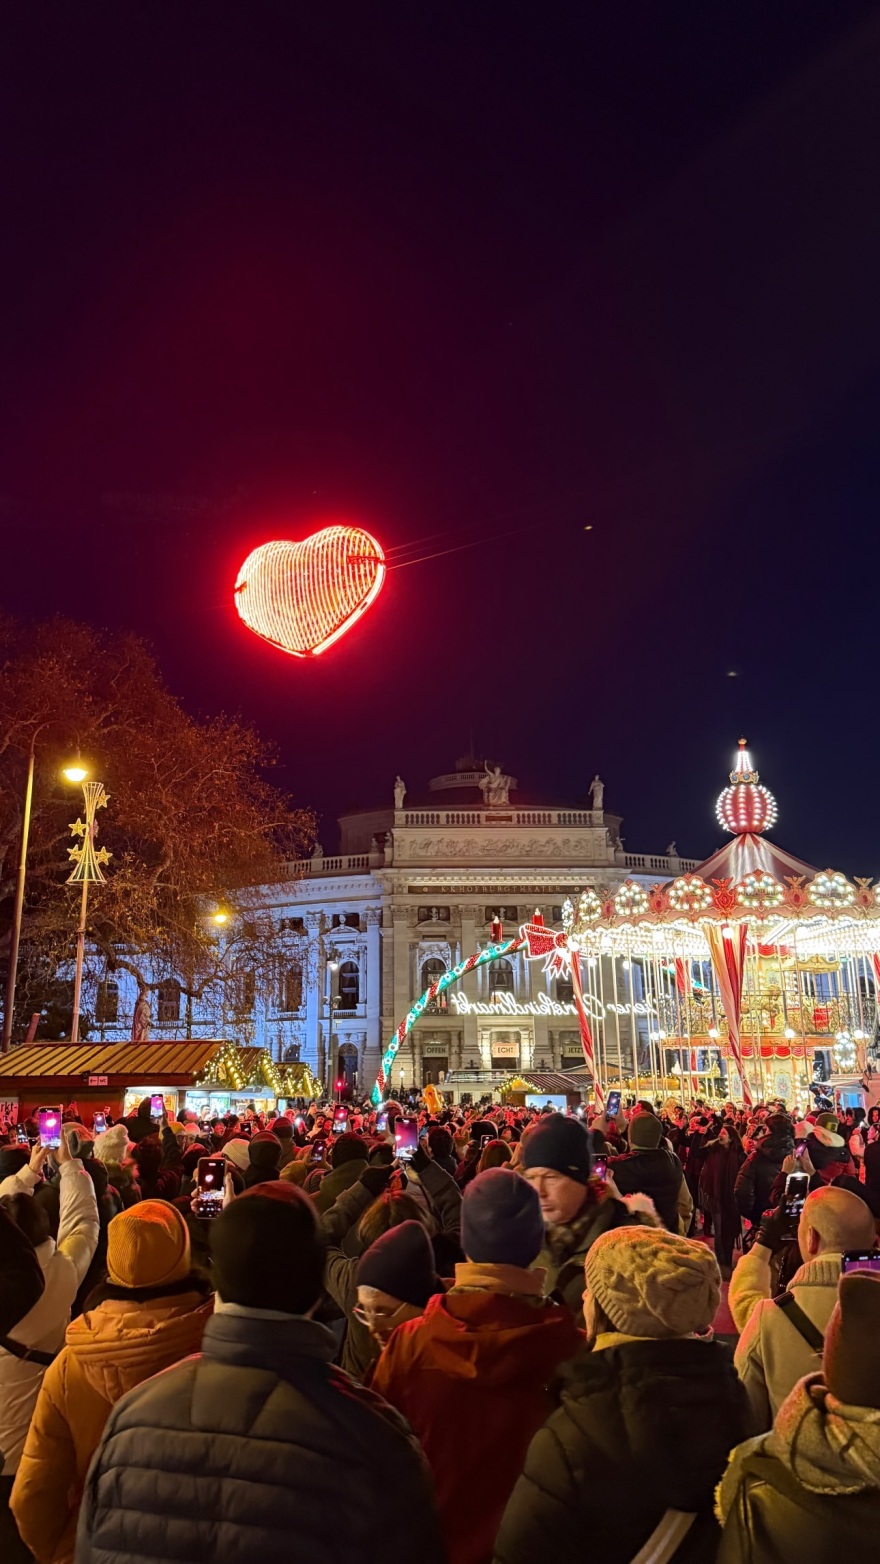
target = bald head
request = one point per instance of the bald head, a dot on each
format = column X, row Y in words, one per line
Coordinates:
column 833, row 1220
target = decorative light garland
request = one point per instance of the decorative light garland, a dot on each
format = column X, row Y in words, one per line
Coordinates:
column 631, row 900
column 759, row 891
column 689, row 894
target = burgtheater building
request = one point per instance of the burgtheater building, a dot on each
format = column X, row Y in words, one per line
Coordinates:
column 414, row 889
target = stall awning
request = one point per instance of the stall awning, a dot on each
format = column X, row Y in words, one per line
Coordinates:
column 169, row 1064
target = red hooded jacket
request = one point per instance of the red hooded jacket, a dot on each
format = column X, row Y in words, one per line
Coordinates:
column 471, row 1377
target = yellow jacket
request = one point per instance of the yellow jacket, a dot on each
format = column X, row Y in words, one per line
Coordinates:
column 108, row 1351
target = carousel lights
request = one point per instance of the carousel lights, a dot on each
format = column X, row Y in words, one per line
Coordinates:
column 631, row 901
column 831, row 889
column 759, row 890
column 589, row 907
column 689, row 894
column 714, row 1032
column 790, row 1032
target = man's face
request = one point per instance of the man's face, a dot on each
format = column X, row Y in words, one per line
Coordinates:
column 561, row 1197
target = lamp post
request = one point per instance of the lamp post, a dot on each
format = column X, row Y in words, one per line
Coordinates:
column 15, row 935
column 87, row 861
column 332, row 1007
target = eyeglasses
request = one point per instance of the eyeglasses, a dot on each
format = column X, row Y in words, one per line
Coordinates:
column 376, row 1317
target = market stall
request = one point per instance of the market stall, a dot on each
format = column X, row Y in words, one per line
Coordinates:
column 110, row 1077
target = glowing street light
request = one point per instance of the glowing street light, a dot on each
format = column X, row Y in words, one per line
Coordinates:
column 75, row 773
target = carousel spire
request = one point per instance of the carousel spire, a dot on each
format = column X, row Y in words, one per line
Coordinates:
column 745, row 807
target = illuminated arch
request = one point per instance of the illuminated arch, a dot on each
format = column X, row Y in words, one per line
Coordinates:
column 454, row 975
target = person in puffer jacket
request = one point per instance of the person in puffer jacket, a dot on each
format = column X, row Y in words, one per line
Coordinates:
column 753, row 1190
column 471, row 1373
column 557, row 1159
column 828, row 1151
column 627, row 1466
column 258, row 1448
column 151, row 1313
column 810, row 1490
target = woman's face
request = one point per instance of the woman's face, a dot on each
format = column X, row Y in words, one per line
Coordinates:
column 724, row 1137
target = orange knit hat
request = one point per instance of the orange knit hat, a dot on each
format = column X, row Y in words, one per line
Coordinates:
column 148, row 1246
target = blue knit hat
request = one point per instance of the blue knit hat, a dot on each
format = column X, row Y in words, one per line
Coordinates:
column 501, row 1221
column 561, row 1144
column 401, row 1263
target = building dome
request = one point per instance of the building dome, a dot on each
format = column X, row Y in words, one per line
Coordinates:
column 745, row 807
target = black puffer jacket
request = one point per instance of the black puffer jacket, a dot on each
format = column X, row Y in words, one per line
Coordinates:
column 644, row 1427
column 256, row 1449
column 657, row 1173
column 754, row 1184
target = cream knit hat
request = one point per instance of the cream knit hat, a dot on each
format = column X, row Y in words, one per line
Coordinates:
column 650, row 1282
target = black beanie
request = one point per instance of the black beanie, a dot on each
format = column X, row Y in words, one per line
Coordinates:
column 501, row 1221
column 268, row 1251
column 265, row 1151
column 12, row 1160
column 401, row 1263
column 561, row 1144
column 348, row 1148
column 282, row 1128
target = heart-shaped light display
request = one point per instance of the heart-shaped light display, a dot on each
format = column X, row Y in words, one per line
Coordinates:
column 303, row 596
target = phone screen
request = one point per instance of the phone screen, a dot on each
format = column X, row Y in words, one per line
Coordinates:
column 801, row 1149
column 49, row 1120
column 485, row 1141
column 99, row 1123
column 600, row 1167
column 859, row 1260
column 381, row 1124
column 797, row 1188
column 340, row 1121
column 318, row 1151
column 209, row 1178
column 157, row 1105
column 613, row 1107
column 406, row 1138
column 21, row 1135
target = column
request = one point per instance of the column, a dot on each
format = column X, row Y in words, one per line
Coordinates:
column 313, row 1046
column 375, row 1042
column 468, row 986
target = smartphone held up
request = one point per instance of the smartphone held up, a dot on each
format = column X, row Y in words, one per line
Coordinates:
column 209, row 1182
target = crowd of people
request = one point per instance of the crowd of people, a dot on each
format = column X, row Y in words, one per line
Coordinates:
column 482, row 1335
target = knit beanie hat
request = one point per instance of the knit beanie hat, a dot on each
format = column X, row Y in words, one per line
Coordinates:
column 645, row 1132
column 268, row 1251
column 111, row 1145
column 649, row 1282
column 21, row 1275
column 191, row 1159
column 238, row 1151
column 148, row 1246
column 501, row 1221
column 828, row 1121
column 401, row 1263
column 851, row 1360
column 264, row 1150
column 12, row 1160
column 282, row 1128
column 348, row 1148
column 561, row 1144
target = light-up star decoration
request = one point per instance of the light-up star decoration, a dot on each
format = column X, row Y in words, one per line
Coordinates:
column 301, row 597
column 86, row 857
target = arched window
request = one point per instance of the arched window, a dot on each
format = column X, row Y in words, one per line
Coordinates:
column 107, row 1001
column 168, row 1003
column 501, row 977
column 292, row 987
column 245, row 989
column 432, row 969
column 349, row 985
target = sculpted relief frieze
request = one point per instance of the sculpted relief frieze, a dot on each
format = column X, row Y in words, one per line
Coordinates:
column 489, row 846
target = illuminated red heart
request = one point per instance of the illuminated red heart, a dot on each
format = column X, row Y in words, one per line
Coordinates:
column 303, row 596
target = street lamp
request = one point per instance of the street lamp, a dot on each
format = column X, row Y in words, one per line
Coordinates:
column 15, row 935
column 87, row 861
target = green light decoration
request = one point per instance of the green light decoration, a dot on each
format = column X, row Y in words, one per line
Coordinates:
column 454, row 975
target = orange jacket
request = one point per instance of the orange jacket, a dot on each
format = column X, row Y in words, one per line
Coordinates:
column 108, row 1351
column 471, row 1376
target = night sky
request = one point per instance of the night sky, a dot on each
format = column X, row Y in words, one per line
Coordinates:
column 475, row 270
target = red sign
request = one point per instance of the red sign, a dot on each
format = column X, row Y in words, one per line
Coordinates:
column 97, row 1080
column 820, row 1018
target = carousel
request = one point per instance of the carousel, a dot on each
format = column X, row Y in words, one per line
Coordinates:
column 751, row 978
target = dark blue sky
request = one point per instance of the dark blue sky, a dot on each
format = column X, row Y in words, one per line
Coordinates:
column 487, row 267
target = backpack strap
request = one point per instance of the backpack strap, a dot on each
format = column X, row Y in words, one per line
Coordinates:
column 801, row 1322
column 27, row 1354
column 663, row 1543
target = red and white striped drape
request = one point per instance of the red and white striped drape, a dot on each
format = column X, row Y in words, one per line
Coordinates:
column 586, row 1034
column 727, row 948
